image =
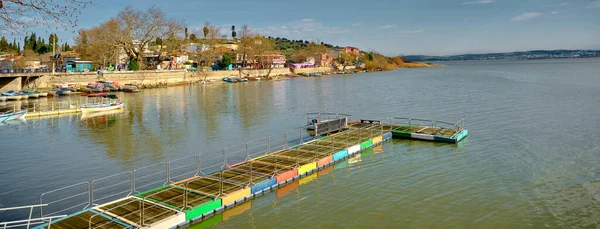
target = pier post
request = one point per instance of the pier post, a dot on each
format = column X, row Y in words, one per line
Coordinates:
column 52, row 105
column 34, row 108
column 247, row 151
column 268, row 144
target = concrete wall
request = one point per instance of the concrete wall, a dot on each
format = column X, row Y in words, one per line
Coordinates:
column 316, row 69
column 10, row 83
column 143, row 77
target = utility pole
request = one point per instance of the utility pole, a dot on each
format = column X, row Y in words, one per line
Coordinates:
column 53, row 54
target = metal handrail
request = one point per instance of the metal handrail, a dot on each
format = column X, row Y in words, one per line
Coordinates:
column 64, row 188
column 362, row 132
column 29, row 220
column 131, row 184
column 147, row 167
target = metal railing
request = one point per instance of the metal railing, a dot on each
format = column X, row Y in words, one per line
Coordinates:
column 458, row 126
column 27, row 223
column 125, row 184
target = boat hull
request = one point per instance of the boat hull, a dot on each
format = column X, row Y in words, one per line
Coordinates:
column 43, row 94
column 12, row 116
column 14, row 97
column 2, row 98
column 100, row 109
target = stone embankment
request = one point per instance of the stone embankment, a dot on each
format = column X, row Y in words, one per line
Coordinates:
column 159, row 78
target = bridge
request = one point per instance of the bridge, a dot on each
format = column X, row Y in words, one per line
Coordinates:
column 17, row 79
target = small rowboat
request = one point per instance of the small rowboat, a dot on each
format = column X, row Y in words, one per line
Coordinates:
column 98, row 107
column 131, row 90
column 31, row 94
column 230, row 80
column 12, row 115
column 96, row 95
column 64, row 92
column 13, row 97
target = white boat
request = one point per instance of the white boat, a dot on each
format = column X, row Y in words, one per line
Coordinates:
column 12, row 115
column 98, row 107
column 13, row 97
column 100, row 114
column 34, row 95
column 2, row 98
column 43, row 94
column 24, row 96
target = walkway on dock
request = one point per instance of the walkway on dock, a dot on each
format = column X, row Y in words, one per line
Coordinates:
column 195, row 188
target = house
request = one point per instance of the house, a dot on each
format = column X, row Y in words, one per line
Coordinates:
column 78, row 66
column 277, row 60
column 323, row 59
column 352, row 50
column 229, row 45
column 6, row 61
column 195, row 47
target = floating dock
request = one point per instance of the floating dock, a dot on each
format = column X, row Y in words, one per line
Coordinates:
column 241, row 177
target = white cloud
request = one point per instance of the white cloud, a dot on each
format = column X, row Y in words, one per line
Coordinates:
column 302, row 29
column 554, row 12
column 357, row 24
column 387, row 26
column 595, row 4
column 479, row 2
column 412, row 31
column 526, row 16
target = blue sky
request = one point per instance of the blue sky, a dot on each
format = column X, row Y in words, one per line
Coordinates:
column 391, row 27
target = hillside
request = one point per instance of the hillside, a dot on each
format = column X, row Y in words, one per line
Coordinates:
column 527, row 55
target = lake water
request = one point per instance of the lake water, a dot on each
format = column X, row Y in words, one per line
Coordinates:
column 532, row 158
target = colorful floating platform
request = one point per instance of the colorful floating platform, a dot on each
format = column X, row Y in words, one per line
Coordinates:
column 180, row 203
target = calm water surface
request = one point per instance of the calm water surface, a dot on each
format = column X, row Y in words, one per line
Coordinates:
column 531, row 159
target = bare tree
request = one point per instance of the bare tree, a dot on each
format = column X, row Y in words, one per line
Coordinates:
column 132, row 30
column 17, row 15
column 207, row 55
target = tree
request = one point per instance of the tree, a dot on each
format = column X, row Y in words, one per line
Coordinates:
column 233, row 33
column 205, row 30
column 131, row 31
column 133, row 65
column 18, row 15
column 212, row 37
column 346, row 59
column 245, row 42
column 225, row 61
column 193, row 37
column 313, row 49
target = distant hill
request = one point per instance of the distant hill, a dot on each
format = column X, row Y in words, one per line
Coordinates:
column 527, row 55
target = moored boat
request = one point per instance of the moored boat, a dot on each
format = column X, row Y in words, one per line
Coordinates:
column 13, row 115
column 13, row 97
column 2, row 98
column 31, row 94
column 131, row 90
column 64, row 92
column 51, row 93
column 96, row 95
column 230, row 80
column 42, row 94
column 242, row 79
column 98, row 107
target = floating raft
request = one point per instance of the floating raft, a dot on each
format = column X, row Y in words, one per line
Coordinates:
column 438, row 131
column 201, row 196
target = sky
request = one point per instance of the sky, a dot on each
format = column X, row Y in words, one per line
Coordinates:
column 390, row 27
